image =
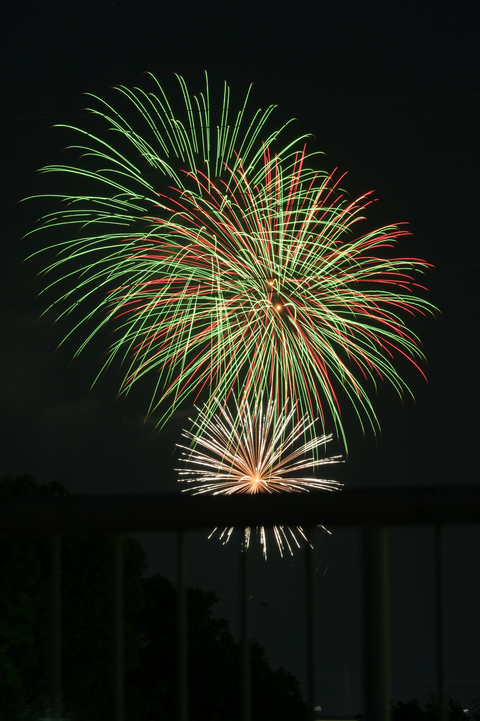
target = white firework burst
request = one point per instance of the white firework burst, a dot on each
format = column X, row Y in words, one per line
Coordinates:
column 257, row 450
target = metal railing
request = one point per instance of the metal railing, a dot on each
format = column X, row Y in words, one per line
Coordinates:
column 374, row 510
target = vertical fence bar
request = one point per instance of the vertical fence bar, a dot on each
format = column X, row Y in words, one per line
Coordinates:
column 118, row 629
column 55, row 627
column 182, row 647
column 376, row 632
column 310, row 592
column 441, row 621
column 245, row 688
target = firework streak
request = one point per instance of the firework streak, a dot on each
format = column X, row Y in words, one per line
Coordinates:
column 221, row 265
column 254, row 451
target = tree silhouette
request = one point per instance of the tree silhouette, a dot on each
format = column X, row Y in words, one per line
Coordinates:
column 412, row 711
column 150, row 618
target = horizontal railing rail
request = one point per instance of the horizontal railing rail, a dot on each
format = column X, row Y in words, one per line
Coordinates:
column 118, row 514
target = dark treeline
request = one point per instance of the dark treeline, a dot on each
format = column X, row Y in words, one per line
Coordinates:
column 412, row 711
column 150, row 615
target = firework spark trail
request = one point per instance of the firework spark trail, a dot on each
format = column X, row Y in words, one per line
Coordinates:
column 233, row 267
column 255, row 450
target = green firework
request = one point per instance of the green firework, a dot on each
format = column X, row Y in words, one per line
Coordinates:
column 222, row 265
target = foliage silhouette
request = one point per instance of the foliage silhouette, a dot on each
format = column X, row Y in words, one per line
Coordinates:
column 150, row 616
column 86, row 615
column 412, row 711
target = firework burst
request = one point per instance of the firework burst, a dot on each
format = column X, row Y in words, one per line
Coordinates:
column 220, row 264
column 255, row 450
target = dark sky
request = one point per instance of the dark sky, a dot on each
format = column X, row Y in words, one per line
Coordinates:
column 392, row 96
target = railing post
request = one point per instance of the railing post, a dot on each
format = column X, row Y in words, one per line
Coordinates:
column 310, row 590
column 245, row 688
column 376, row 631
column 56, row 627
column 182, row 619
column 441, row 615
column 118, row 629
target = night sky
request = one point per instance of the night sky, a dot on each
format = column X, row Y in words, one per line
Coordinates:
column 390, row 95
